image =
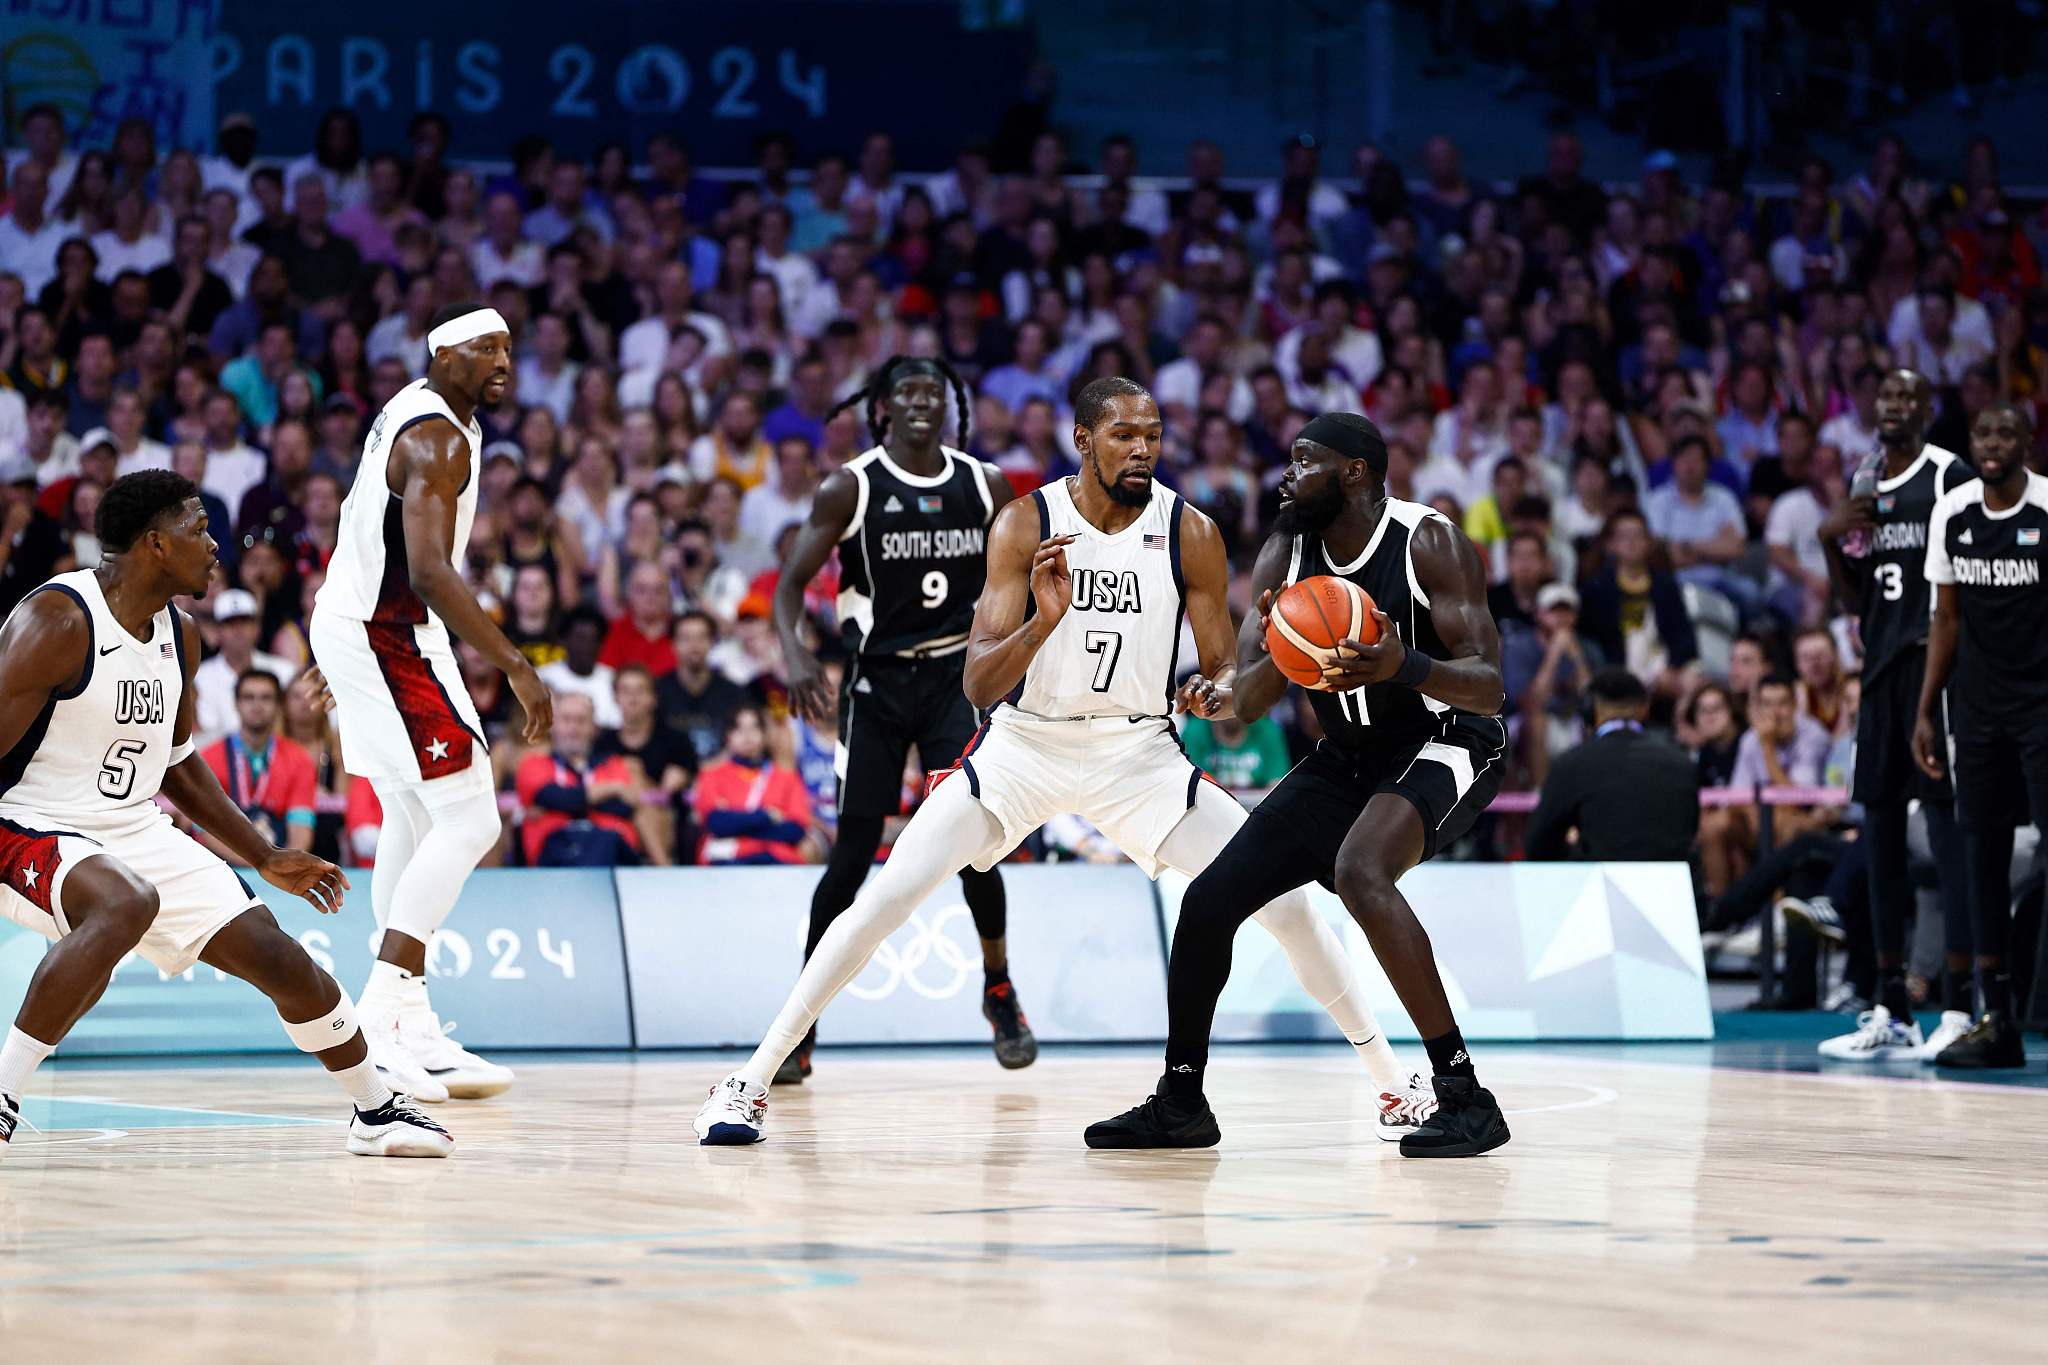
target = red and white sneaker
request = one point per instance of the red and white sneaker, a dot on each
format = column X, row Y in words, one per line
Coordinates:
column 734, row 1114
column 1404, row 1111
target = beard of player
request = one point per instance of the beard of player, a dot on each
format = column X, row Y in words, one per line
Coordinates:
column 1312, row 514
column 1122, row 496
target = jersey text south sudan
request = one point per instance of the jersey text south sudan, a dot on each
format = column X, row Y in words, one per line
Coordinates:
column 1895, row 597
column 914, row 557
column 1994, row 560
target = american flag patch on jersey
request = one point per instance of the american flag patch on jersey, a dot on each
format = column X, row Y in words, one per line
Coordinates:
column 931, row 504
column 2028, row 535
column 170, row 650
column 1155, row 542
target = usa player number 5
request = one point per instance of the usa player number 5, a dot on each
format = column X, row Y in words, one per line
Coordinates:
column 117, row 769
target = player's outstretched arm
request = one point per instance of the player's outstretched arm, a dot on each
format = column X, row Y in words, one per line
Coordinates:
column 831, row 513
column 1205, row 570
column 1259, row 683
column 1021, row 568
column 43, row 649
column 435, row 458
column 193, row 789
column 1448, row 568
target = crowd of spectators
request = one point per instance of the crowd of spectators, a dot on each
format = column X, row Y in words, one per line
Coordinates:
column 1639, row 399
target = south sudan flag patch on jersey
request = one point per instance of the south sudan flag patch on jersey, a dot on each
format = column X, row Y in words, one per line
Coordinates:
column 2028, row 535
column 1887, row 502
column 931, row 503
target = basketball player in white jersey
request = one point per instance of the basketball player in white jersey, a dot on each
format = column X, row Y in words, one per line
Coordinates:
column 381, row 636
column 96, row 718
column 1073, row 647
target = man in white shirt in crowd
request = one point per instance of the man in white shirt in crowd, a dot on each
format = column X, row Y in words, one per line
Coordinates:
column 1301, row 158
column 213, row 682
column 1905, row 329
column 1145, row 210
column 1702, row 523
column 578, row 672
column 1800, row 585
column 795, row 274
column 49, row 447
column 547, row 377
column 1352, row 349
column 644, row 345
column 29, row 236
column 774, row 503
column 1941, row 348
column 133, row 450
column 1178, row 385
column 232, row 467
column 43, row 140
column 129, row 244
column 502, row 253
column 568, row 207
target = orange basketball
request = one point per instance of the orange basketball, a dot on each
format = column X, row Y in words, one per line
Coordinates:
column 1308, row 620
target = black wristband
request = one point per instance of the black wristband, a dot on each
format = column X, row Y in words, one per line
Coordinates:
column 1414, row 669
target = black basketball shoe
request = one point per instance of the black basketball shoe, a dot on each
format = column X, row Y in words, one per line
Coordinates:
column 1994, row 1044
column 795, row 1067
column 1161, row 1121
column 1016, row 1046
column 1467, row 1122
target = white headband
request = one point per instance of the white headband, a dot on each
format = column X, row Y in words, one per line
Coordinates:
column 468, row 327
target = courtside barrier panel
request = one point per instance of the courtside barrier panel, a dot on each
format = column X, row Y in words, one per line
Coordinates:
column 1528, row 951
column 704, row 957
column 713, row 951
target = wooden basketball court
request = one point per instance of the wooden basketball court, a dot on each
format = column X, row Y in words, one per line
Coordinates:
column 923, row 1205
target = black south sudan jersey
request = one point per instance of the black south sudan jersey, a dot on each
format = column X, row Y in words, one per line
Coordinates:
column 1385, row 716
column 914, row 557
column 1896, row 598
column 1996, row 560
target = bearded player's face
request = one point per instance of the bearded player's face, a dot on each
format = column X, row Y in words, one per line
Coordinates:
column 1312, row 490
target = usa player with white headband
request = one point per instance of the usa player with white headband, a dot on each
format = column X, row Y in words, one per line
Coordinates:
column 383, row 635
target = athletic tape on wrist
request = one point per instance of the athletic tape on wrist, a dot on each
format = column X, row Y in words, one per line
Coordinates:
column 331, row 1029
column 180, row 754
column 468, row 327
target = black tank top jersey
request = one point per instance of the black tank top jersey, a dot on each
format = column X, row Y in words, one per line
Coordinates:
column 915, row 556
column 1896, row 598
column 1998, row 562
column 1386, row 716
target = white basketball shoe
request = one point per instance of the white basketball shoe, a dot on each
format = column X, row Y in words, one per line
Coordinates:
column 397, row 1129
column 465, row 1075
column 1404, row 1111
column 1954, row 1024
column 10, row 1120
column 734, row 1114
column 1878, row 1038
column 393, row 1060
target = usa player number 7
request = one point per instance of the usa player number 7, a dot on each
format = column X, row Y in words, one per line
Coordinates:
column 1107, row 646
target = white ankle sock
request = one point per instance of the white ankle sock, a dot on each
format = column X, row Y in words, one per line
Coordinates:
column 390, row 986
column 364, row 1085
column 1378, row 1056
column 19, row 1056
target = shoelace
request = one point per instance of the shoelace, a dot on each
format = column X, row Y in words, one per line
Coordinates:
column 1871, row 1030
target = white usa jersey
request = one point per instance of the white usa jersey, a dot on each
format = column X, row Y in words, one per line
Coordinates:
column 94, row 758
column 1115, row 651
column 368, row 578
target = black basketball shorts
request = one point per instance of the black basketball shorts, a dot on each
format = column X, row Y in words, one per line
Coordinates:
column 1885, row 769
column 2001, row 767
column 1449, row 779
column 887, row 704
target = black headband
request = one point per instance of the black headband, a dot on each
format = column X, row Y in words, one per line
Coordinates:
column 1349, row 435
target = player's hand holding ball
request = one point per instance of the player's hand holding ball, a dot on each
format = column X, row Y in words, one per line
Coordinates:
column 302, row 874
column 1052, row 582
column 1324, row 633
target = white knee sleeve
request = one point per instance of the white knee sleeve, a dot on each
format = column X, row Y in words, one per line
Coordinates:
column 331, row 1029
column 453, row 830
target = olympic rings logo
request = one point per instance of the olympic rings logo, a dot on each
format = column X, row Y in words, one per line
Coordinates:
column 931, row 945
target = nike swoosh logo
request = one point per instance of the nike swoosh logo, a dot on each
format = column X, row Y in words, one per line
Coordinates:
column 108, row 650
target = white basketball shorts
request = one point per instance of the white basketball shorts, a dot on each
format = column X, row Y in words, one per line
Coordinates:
column 399, row 700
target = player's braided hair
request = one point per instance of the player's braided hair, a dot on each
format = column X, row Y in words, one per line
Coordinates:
column 876, row 394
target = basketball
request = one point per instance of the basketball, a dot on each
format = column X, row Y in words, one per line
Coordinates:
column 1308, row 620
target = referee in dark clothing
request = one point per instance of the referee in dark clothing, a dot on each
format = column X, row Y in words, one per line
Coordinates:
column 1633, row 797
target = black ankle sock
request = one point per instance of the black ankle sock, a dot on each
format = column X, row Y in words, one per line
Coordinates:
column 1956, row 988
column 1447, row 1055
column 992, row 977
column 1996, row 984
column 1184, row 1083
column 1891, row 993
